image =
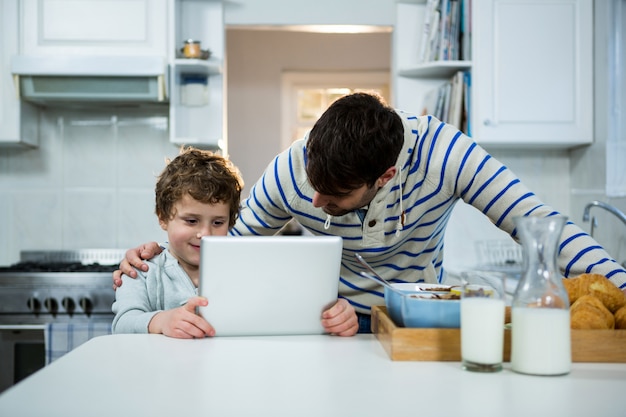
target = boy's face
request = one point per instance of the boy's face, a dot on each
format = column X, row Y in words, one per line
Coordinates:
column 192, row 220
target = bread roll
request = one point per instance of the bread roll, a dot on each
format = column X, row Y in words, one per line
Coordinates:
column 598, row 286
column 588, row 312
column 572, row 287
column 620, row 318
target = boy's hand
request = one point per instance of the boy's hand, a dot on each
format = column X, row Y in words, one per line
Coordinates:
column 182, row 322
column 134, row 258
column 340, row 319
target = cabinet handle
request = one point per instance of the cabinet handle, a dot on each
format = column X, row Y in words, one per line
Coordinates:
column 487, row 122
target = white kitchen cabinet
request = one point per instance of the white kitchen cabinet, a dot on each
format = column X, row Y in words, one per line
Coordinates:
column 531, row 70
column 198, row 96
column 12, row 112
column 116, row 28
column 94, row 27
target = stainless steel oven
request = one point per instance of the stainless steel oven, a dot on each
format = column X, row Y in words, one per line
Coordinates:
column 48, row 289
column 22, row 352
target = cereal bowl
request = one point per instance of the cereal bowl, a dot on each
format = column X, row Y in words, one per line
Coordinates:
column 394, row 299
column 430, row 311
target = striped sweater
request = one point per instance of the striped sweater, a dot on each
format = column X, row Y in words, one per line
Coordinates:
column 437, row 166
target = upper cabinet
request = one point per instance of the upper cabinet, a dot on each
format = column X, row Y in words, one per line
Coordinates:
column 69, row 38
column 12, row 111
column 198, row 96
column 527, row 69
column 94, row 27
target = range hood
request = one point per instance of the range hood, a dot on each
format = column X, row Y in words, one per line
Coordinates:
column 58, row 80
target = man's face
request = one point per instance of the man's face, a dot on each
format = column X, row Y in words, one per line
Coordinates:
column 344, row 203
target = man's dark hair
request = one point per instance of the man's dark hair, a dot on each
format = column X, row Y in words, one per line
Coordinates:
column 352, row 144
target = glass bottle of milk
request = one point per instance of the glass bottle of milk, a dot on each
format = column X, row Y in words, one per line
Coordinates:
column 540, row 320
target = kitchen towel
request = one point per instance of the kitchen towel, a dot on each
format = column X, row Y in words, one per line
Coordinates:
column 63, row 337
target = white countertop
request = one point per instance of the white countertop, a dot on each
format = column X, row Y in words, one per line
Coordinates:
column 153, row 375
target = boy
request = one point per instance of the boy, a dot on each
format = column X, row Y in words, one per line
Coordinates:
column 197, row 194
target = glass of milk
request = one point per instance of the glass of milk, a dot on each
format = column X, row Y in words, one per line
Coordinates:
column 482, row 320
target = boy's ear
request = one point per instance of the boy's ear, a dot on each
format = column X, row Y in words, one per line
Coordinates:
column 163, row 224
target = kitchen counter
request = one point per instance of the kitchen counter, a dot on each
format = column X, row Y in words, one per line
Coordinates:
column 153, row 375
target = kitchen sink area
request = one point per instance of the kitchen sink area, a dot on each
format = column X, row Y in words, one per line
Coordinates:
column 595, row 209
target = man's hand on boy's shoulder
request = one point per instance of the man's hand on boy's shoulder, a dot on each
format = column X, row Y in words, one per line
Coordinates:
column 135, row 259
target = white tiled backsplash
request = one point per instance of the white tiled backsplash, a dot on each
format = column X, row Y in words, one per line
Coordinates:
column 90, row 184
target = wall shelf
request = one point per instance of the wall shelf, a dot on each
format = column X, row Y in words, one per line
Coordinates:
column 199, row 66
column 436, row 69
column 197, row 111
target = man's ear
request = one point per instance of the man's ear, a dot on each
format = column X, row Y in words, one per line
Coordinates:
column 386, row 177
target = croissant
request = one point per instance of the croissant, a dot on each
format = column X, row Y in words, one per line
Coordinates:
column 620, row 318
column 588, row 312
column 598, row 286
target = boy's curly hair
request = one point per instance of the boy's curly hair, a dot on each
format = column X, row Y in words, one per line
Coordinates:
column 205, row 176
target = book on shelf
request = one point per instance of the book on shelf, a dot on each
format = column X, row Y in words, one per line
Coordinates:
column 467, row 86
column 450, row 101
column 466, row 30
column 431, row 22
column 454, row 31
column 455, row 113
column 431, row 101
column 446, row 31
column 433, row 40
column 446, row 102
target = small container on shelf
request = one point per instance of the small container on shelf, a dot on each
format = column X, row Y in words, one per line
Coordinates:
column 191, row 50
column 194, row 90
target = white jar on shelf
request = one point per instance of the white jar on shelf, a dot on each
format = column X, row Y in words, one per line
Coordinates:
column 194, row 90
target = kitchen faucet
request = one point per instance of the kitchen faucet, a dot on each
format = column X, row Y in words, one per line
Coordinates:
column 611, row 209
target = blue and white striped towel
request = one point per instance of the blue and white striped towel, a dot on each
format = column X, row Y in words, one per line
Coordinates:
column 63, row 337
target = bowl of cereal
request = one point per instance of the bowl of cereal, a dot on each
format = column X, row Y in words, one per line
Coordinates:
column 396, row 298
column 438, row 308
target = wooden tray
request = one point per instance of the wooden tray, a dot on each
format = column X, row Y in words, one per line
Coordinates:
column 410, row 344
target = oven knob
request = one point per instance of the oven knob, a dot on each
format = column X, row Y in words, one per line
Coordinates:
column 69, row 305
column 52, row 305
column 86, row 304
column 34, row 304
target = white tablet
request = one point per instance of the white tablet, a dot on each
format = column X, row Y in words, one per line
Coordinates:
column 268, row 285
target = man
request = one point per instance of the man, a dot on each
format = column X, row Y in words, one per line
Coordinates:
column 386, row 181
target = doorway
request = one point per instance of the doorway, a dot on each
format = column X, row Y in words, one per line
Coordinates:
column 257, row 60
column 306, row 95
